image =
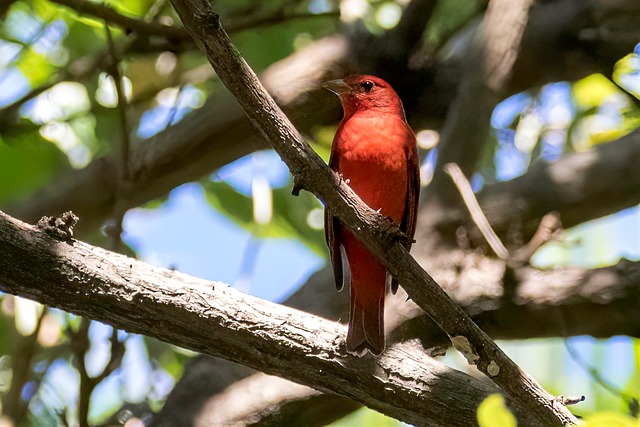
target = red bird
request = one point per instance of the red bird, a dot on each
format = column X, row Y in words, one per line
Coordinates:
column 374, row 151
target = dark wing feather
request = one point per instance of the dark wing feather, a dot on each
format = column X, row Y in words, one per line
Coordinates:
column 410, row 217
column 408, row 224
column 333, row 236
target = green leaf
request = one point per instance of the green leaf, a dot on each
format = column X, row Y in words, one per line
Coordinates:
column 609, row 419
column 83, row 39
column 35, row 67
column 627, row 66
column 593, row 90
column 492, row 412
column 225, row 199
column 26, row 164
column 291, row 215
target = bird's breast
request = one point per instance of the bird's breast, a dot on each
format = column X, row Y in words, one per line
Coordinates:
column 373, row 158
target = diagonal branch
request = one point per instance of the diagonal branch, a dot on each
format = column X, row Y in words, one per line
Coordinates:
column 378, row 234
column 211, row 318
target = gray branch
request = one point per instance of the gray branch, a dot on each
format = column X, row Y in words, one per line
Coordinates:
column 214, row 319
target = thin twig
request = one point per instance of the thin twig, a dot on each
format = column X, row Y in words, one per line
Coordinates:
column 80, row 344
column 25, row 349
column 111, row 16
column 114, row 71
column 176, row 34
column 123, row 148
column 174, row 108
column 461, row 182
column 549, row 229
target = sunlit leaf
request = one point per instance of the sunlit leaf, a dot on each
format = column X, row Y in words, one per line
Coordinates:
column 609, row 419
column 35, row 67
column 45, row 9
column 593, row 90
column 6, row 344
column 133, row 8
column 366, row 417
column 224, row 198
column 626, row 73
column 492, row 412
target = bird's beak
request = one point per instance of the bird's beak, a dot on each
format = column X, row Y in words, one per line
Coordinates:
column 338, row 87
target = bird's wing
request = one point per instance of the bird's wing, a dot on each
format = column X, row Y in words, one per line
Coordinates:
column 408, row 224
column 333, row 236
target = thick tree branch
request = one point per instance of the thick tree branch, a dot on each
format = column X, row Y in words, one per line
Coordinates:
column 211, row 318
column 375, row 232
column 555, row 303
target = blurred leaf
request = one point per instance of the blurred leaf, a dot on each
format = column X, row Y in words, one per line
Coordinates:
column 35, row 67
column 366, row 417
column 26, row 164
column 131, row 7
column 6, row 333
column 609, row 419
column 606, row 136
column 290, row 214
column 107, row 127
column 264, row 45
column 166, row 358
column 82, row 39
column 321, row 141
column 45, row 9
column 224, row 198
column 628, row 67
column 593, row 90
column 447, row 17
column 492, row 412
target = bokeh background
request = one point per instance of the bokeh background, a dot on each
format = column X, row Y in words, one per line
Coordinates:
column 228, row 215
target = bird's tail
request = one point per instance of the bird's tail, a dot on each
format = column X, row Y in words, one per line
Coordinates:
column 366, row 319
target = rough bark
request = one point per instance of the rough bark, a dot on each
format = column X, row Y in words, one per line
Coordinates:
column 556, row 303
column 214, row 319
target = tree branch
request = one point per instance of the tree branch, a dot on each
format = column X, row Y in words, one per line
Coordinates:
column 378, row 235
column 555, row 303
column 579, row 186
column 211, row 318
column 110, row 15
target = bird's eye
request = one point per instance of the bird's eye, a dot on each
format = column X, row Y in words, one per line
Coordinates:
column 367, row 86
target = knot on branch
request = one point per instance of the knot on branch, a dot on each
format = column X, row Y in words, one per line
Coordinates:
column 462, row 344
column 493, row 369
column 59, row 227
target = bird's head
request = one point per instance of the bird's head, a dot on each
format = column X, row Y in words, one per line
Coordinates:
column 363, row 92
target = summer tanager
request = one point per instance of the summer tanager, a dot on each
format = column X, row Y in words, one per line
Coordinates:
column 374, row 151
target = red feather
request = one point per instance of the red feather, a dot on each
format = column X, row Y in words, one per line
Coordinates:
column 374, row 150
